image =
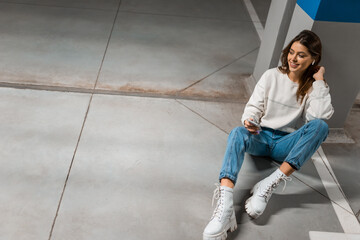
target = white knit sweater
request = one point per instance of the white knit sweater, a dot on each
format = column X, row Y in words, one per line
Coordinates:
column 273, row 102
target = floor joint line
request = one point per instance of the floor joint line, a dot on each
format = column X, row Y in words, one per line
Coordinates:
column 184, row 16
column 117, row 93
column 226, row 132
column 232, row 62
column 82, row 128
column 57, row 6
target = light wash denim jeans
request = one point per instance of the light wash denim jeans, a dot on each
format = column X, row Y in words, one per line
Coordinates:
column 294, row 148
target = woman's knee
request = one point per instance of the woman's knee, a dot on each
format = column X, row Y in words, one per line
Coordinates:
column 239, row 131
column 321, row 126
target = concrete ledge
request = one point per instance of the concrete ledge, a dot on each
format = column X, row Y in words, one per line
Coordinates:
column 338, row 135
column 332, row 236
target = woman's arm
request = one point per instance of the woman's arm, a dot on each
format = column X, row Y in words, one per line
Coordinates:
column 318, row 105
column 255, row 107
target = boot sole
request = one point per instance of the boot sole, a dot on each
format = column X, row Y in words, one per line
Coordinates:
column 248, row 207
column 232, row 226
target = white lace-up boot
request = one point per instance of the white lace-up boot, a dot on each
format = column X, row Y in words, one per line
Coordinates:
column 262, row 191
column 223, row 218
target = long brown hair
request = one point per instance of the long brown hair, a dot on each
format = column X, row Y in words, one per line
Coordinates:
column 312, row 42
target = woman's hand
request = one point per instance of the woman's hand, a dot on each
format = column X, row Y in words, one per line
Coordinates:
column 319, row 75
column 251, row 128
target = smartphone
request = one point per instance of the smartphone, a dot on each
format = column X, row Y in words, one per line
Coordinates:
column 255, row 124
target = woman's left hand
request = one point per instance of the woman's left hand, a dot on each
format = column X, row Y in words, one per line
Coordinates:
column 319, row 75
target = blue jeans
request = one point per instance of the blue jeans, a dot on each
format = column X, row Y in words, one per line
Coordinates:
column 294, row 148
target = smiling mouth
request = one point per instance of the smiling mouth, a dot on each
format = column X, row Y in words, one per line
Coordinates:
column 293, row 65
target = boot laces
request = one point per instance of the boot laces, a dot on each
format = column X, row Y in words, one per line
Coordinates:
column 271, row 186
column 218, row 195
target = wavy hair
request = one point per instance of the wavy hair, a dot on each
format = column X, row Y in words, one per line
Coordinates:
column 313, row 44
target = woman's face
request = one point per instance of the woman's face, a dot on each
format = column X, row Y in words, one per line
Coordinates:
column 299, row 58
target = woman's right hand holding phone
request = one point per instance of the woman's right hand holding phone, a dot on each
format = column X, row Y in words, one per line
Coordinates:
column 250, row 127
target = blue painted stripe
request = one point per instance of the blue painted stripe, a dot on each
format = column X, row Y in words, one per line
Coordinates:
column 332, row 10
column 310, row 7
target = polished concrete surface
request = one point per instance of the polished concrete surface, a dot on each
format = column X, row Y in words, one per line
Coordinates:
column 87, row 154
column 344, row 159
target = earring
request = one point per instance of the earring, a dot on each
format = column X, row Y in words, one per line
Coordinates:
column 313, row 62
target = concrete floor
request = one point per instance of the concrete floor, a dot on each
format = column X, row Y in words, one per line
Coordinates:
column 344, row 159
column 115, row 118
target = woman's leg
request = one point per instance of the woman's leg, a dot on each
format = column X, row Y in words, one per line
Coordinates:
column 294, row 150
column 240, row 141
column 286, row 168
column 298, row 147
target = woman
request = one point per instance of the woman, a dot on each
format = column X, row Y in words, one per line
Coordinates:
column 282, row 120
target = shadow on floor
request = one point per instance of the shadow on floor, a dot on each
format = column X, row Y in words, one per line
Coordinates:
column 277, row 204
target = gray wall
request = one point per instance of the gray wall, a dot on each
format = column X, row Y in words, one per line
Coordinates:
column 297, row 26
column 341, row 49
column 276, row 28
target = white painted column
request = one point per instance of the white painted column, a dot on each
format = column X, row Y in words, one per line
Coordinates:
column 276, row 29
